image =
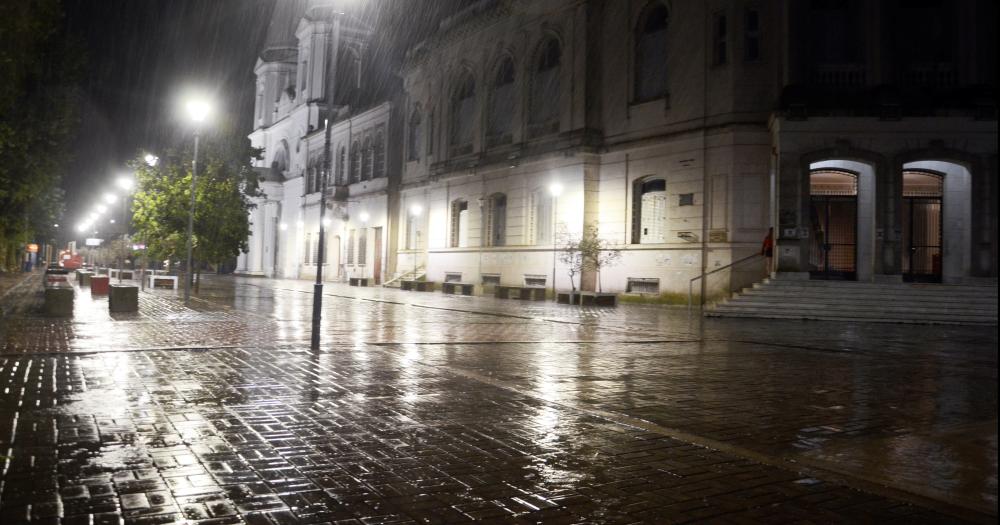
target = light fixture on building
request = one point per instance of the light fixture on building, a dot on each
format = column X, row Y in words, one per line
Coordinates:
column 555, row 189
column 327, row 222
column 300, row 224
column 363, row 216
column 283, row 226
column 416, row 210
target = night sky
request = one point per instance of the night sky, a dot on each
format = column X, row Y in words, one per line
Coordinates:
column 140, row 54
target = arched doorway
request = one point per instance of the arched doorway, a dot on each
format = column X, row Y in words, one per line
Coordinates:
column 834, row 224
column 955, row 223
column 922, row 226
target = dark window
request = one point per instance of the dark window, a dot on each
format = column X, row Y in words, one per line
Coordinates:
column 416, row 136
column 463, row 108
column 649, row 212
column 495, row 223
column 355, row 162
column 751, row 35
column 501, row 111
column 459, row 223
column 379, row 154
column 685, row 199
column 651, row 54
column 367, row 157
column 341, row 166
column 719, row 40
column 544, row 106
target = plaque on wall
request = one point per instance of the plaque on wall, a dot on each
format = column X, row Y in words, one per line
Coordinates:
column 717, row 236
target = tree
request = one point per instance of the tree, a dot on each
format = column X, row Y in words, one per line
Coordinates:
column 226, row 185
column 597, row 253
column 570, row 256
column 39, row 70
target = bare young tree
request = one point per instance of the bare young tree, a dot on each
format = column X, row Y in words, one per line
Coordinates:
column 597, row 253
column 570, row 256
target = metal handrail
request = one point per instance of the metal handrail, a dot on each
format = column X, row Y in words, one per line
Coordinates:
column 706, row 274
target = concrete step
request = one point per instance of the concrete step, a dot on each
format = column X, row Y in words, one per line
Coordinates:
column 771, row 314
column 842, row 296
column 852, row 285
column 860, row 308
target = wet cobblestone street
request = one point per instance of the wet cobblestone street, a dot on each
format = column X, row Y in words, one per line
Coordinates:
column 427, row 408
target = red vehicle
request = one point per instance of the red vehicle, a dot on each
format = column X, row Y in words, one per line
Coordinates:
column 70, row 260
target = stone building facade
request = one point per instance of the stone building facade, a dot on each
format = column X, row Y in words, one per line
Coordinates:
column 682, row 131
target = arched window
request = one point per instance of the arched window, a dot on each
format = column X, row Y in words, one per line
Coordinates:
column 501, row 110
column 379, row 164
column 651, row 53
column 649, row 212
column 355, row 162
column 366, row 159
column 341, row 166
column 463, row 109
column 459, row 223
column 415, row 136
column 544, row 105
column 495, row 220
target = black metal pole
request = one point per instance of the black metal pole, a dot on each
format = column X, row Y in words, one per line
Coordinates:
column 318, row 287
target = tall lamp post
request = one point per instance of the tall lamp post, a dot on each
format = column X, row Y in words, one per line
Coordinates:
column 555, row 189
column 125, row 184
column 317, row 315
column 197, row 111
column 416, row 210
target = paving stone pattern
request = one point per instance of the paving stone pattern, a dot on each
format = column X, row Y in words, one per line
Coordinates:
column 435, row 410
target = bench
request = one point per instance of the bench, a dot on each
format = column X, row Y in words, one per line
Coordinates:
column 125, row 274
column 457, row 288
column 416, row 286
column 358, row 281
column 162, row 281
column 123, row 298
column 526, row 293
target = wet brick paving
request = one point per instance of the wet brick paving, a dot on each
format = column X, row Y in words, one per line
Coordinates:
column 428, row 409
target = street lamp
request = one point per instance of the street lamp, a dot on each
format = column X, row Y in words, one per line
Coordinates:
column 125, row 183
column 555, row 189
column 151, row 160
column 197, row 111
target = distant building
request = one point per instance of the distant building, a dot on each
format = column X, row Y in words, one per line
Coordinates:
column 682, row 130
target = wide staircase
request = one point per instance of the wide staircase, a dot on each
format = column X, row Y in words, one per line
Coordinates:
column 795, row 298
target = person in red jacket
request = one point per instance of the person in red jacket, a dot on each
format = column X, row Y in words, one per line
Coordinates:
column 767, row 250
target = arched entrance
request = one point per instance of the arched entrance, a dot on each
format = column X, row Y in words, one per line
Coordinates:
column 922, row 221
column 833, row 223
column 954, row 216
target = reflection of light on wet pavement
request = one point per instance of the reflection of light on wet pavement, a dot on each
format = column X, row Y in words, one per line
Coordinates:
column 480, row 408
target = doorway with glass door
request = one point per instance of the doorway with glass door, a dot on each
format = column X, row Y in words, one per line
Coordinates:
column 834, row 224
column 922, row 232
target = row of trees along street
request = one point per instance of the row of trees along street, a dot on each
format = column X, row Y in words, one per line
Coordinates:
column 40, row 66
column 226, row 183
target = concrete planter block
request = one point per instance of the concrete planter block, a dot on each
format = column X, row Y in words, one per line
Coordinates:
column 454, row 288
column 358, row 281
column 59, row 301
column 568, row 297
column 99, row 284
column 598, row 299
column 84, row 278
column 417, row 286
column 123, row 298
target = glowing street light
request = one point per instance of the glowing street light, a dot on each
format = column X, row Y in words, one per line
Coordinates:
column 125, row 183
column 197, row 110
column 101, row 209
column 416, row 210
column 110, row 198
column 151, row 160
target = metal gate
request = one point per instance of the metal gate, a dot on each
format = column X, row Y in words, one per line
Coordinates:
column 834, row 236
column 922, row 238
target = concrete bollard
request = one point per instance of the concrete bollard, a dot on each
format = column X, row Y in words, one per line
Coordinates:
column 123, row 298
column 59, row 301
column 99, row 284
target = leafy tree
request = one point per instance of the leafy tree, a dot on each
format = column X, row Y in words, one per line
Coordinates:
column 39, row 70
column 570, row 256
column 226, row 185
